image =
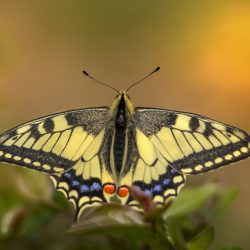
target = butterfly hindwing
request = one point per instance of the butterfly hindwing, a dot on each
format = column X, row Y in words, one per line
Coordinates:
column 83, row 184
column 89, row 182
column 190, row 143
column 160, row 181
column 149, row 171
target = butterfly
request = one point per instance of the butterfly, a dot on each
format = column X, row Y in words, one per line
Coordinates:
column 95, row 154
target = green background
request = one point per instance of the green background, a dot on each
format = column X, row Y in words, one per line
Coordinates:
column 203, row 48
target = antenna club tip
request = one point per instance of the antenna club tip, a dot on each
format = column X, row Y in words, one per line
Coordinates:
column 85, row 73
column 158, row 68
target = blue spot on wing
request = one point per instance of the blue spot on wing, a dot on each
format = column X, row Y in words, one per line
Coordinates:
column 75, row 183
column 157, row 188
column 173, row 171
column 166, row 182
column 148, row 192
column 84, row 189
column 67, row 175
column 95, row 187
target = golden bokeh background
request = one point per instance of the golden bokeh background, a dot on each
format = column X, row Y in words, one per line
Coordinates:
column 203, row 48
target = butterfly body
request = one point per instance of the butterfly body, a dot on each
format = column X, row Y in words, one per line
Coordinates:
column 120, row 135
column 93, row 155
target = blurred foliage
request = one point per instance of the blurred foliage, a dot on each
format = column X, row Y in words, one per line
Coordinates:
column 186, row 224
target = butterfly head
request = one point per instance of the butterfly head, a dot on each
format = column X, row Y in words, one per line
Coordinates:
column 123, row 99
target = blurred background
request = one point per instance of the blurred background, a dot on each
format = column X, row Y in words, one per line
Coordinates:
column 203, row 48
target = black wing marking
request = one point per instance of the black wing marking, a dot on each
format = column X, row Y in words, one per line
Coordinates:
column 162, row 185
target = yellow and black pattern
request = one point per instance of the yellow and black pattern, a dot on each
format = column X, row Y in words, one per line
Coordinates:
column 192, row 144
column 83, row 184
column 158, row 180
column 82, row 194
column 52, row 144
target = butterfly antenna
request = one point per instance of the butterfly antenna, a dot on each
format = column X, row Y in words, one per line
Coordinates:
column 102, row 83
column 131, row 86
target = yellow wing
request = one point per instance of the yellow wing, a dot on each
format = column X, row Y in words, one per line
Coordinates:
column 69, row 146
column 168, row 145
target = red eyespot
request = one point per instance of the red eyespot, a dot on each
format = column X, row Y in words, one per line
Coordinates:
column 123, row 191
column 109, row 188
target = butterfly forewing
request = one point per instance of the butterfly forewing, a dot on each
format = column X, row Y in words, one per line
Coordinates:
column 54, row 143
column 190, row 143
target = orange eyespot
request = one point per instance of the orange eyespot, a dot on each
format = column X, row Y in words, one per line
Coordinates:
column 123, row 191
column 109, row 188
